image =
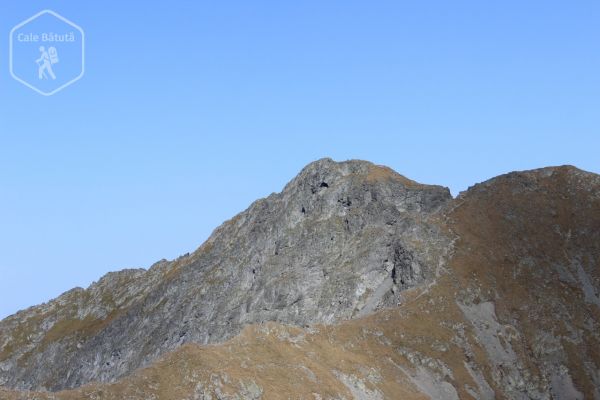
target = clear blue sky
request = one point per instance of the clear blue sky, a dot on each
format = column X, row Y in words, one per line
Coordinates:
column 191, row 110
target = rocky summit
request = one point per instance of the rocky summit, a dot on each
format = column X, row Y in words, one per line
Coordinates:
column 354, row 282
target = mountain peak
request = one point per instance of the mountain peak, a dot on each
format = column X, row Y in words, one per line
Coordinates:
column 327, row 167
column 444, row 297
column 340, row 241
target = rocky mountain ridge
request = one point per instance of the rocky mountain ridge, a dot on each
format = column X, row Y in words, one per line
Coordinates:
column 339, row 241
column 494, row 294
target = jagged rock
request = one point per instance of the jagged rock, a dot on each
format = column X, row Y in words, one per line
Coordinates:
column 375, row 286
column 329, row 247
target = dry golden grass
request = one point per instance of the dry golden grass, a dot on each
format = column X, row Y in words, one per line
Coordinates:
column 498, row 227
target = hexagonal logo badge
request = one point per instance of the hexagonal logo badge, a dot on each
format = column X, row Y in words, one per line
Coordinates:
column 47, row 52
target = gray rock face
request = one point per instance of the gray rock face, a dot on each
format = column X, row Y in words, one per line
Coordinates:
column 341, row 240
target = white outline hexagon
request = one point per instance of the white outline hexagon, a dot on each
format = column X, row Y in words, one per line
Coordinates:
column 10, row 55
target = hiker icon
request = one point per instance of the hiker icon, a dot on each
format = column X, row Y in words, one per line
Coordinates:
column 45, row 62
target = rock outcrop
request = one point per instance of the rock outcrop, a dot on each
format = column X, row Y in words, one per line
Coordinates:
column 341, row 240
column 353, row 282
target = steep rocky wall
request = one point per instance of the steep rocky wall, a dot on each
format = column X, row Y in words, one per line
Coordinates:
column 493, row 295
column 340, row 241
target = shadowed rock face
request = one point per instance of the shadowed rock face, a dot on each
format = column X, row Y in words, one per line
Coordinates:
column 494, row 294
column 341, row 240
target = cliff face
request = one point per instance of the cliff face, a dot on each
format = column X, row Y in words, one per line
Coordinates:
column 375, row 287
column 341, row 240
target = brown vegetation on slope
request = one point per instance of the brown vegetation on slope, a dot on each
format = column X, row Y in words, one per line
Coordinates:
column 514, row 314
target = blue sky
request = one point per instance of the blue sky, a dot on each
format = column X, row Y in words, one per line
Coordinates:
column 189, row 111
